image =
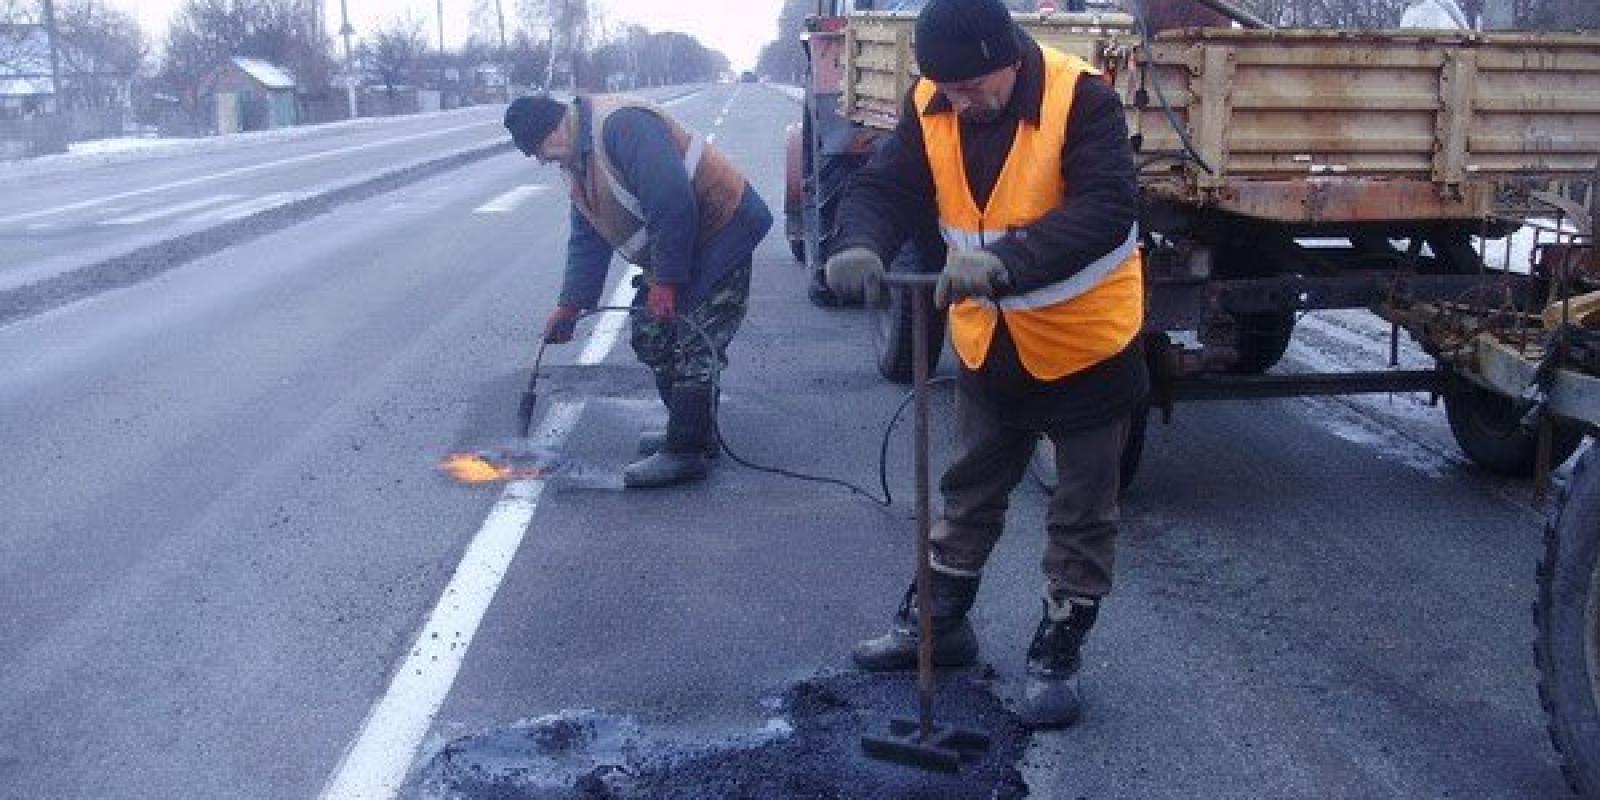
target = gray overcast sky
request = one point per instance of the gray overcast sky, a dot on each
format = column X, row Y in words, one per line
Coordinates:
column 738, row 28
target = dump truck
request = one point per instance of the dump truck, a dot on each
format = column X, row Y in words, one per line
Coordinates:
column 1286, row 171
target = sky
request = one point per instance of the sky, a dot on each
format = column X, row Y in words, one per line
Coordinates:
column 738, row 28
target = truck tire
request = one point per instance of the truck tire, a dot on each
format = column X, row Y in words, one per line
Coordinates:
column 892, row 339
column 1567, row 616
column 1487, row 427
column 1262, row 340
column 1043, row 465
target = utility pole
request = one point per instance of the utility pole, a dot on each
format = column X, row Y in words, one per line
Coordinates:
column 55, row 55
column 1498, row 15
column 439, row 12
column 550, row 64
column 349, row 64
column 505, row 66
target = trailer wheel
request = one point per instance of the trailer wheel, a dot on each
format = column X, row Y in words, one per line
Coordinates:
column 892, row 339
column 1567, row 614
column 1488, row 428
column 1262, row 340
column 1043, row 465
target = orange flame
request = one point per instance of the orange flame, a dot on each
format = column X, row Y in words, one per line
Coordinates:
column 473, row 468
column 476, row 468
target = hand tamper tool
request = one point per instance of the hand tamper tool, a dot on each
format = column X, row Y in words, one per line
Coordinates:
column 922, row 742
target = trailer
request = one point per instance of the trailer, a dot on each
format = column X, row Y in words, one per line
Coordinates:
column 1286, row 171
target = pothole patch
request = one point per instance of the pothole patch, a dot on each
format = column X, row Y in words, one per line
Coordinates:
column 810, row 748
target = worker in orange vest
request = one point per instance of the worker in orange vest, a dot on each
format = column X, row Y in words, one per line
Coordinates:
column 1021, row 154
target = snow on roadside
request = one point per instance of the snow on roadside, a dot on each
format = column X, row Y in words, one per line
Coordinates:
column 1400, row 426
column 1515, row 252
column 89, row 154
column 794, row 93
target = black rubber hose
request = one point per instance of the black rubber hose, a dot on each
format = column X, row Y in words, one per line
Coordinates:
column 531, row 393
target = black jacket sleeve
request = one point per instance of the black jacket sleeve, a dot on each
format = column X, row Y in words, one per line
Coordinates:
column 1100, row 206
column 891, row 197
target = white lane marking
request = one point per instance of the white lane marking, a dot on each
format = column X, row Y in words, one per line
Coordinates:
column 228, row 173
column 508, row 201
column 378, row 761
column 609, row 328
column 171, row 211
column 248, row 207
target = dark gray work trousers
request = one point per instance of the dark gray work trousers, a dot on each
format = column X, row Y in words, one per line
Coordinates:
column 991, row 458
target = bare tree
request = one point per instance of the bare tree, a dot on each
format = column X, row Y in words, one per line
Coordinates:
column 99, row 50
column 569, row 25
column 784, row 58
column 205, row 33
column 394, row 52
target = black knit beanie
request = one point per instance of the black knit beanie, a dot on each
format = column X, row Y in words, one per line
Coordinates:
column 958, row 40
column 531, row 119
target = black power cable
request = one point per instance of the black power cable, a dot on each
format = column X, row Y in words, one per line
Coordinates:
column 531, row 394
column 1142, row 17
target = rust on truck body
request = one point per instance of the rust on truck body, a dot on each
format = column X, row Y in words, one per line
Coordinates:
column 1312, row 126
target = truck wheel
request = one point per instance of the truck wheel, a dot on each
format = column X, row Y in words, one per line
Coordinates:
column 797, row 248
column 892, row 339
column 1262, row 340
column 1043, row 466
column 1567, row 614
column 1488, row 428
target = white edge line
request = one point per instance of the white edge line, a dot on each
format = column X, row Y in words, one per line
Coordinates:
column 609, row 328
column 158, row 212
column 509, row 200
column 378, row 762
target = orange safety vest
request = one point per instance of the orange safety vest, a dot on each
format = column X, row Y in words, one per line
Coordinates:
column 1067, row 326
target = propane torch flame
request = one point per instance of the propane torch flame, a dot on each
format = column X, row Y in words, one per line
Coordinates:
column 472, row 468
column 493, row 466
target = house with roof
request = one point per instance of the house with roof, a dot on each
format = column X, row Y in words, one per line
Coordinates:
column 27, row 88
column 249, row 94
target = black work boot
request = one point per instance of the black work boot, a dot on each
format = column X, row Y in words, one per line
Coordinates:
column 954, row 643
column 683, row 458
column 1050, row 697
column 652, row 440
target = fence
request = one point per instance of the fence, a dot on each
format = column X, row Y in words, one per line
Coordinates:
column 51, row 133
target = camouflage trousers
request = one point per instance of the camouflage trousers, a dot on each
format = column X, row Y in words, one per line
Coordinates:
column 674, row 350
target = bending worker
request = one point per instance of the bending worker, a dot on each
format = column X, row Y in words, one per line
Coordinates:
column 647, row 187
column 1021, row 152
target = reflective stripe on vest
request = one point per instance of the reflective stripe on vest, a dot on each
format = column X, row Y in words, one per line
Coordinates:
column 1067, row 326
column 634, row 246
column 616, row 213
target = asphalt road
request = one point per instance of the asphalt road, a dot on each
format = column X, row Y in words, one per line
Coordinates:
column 224, row 537
column 53, row 219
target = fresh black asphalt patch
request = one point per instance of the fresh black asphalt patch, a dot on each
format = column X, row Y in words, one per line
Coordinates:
column 810, row 749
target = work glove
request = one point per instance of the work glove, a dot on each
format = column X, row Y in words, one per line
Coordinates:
column 970, row 273
column 560, row 325
column 855, row 272
column 662, row 301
